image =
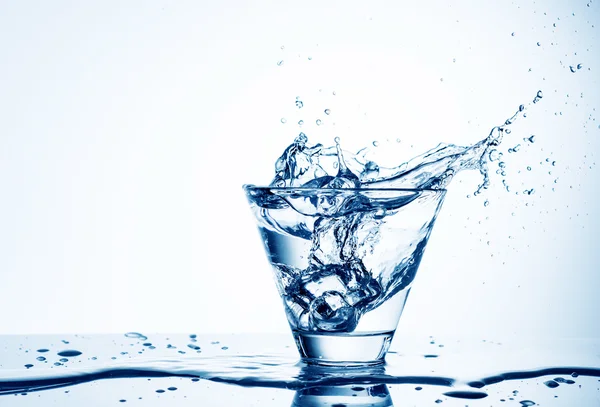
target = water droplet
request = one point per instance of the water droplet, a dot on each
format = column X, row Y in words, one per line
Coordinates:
column 486, row 203
column 418, row 388
column 521, row 108
column 572, row 68
column 398, row 140
column 310, row 58
column 28, row 366
column 283, row 47
column 528, row 168
column 438, row 401
column 160, row 391
column 280, row 63
column 539, row 45
column 527, row 403
column 194, row 347
column 42, row 350
column 136, row 335
column 551, row 383
column 333, row 93
column 224, row 347
column 375, row 143
column 319, row 122
column 579, row 66
column 40, row 358
column 299, row 103
column 512, row 34
column 553, row 163
column 172, row 388
column 64, row 360
column 531, row 139
column 501, row 164
column 69, row 353
column 337, row 140
column 529, row 191
column 539, row 94
column 574, row 374
column 327, row 111
column 283, row 120
column 300, row 122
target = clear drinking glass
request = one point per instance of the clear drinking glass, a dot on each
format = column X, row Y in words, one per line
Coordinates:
column 344, row 261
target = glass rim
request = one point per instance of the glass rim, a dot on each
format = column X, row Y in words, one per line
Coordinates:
column 251, row 187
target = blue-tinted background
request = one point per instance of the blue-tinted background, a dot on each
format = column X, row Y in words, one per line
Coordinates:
column 128, row 128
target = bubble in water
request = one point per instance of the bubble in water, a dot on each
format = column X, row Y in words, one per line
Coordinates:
column 280, row 63
column 136, row 335
column 69, row 353
column 299, row 103
column 318, row 122
column 327, row 111
column 528, row 168
column 283, row 120
column 300, row 122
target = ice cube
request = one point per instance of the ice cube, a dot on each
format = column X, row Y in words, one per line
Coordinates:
column 331, row 313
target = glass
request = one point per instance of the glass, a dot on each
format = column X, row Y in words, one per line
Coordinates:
column 344, row 261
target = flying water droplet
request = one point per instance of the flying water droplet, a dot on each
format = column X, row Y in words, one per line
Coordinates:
column 528, row 168
column 40, row 358
column 283, row 120
column 579, row 66
column 299, row 103
column 539, row 44
column 280, row 63
column 572, row 68
column 327, row 111
column 375, row 143
column 319, row 122
column 300, row 122
column 486, row 203
column 530, row 139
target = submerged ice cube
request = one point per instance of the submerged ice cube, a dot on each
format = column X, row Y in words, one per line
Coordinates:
column 331, row 313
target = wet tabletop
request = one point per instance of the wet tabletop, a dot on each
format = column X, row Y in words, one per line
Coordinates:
column 263, row 370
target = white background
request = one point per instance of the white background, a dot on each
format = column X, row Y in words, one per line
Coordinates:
column 128, row 128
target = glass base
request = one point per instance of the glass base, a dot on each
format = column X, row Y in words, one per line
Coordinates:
column 343, row 349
